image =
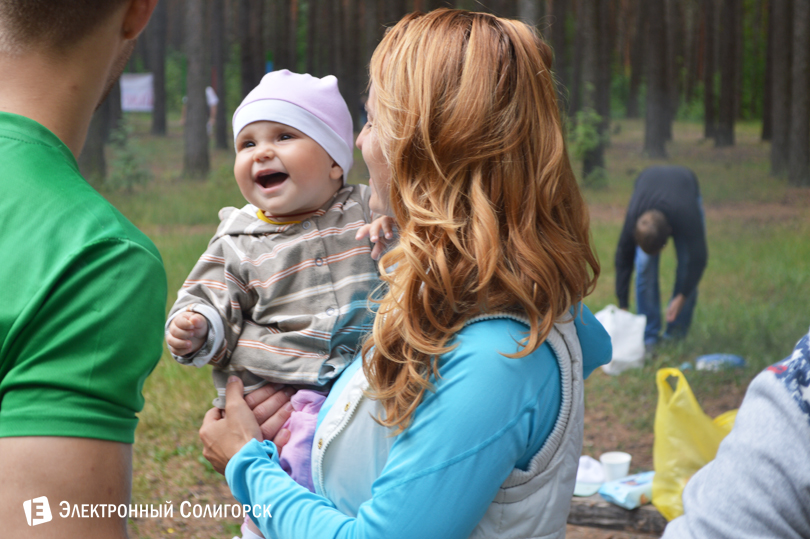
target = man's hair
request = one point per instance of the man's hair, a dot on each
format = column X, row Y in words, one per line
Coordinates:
column 50, row 23
column 488, row 209
column 652, row 231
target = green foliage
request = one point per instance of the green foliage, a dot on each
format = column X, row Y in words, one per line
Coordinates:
column 584, row 136
column 693, row 110
column 596, row 179
column 619, row 94
column 175, row 80
column 127, row 168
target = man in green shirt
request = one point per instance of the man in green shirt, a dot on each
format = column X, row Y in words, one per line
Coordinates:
column 83, row 292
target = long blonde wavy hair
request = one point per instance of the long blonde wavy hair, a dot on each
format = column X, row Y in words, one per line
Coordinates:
column 489, row 213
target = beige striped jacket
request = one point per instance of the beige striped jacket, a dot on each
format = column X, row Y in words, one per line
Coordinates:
column 285, row 303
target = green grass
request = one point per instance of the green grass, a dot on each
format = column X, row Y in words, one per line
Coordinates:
column 752, row 300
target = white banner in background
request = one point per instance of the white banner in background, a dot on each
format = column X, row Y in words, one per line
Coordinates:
column 137, row 94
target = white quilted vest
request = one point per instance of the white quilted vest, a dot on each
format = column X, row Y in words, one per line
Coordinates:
column 531, row 503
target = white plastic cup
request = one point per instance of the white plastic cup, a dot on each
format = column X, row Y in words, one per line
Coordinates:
column 615, row 464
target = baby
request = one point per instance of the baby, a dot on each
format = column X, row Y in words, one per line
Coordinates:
column 280, row 295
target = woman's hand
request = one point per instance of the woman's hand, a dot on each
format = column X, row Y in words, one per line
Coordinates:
column 224, row 433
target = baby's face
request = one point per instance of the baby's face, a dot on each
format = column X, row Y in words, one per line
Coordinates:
column 282, row 171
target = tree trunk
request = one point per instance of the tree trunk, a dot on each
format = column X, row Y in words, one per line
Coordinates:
column 393, row 10
column 709, row 107
column 674, row 47
column 799, row 160
column 562, row 65
column 529, row 11
column 737, row 6
column 195, row 162
column 637, row 58
column 257, row 48
column 350, row 86
column 336, row 61
column 116, row 117
column 218, row 48
column 782, row 45
column 656, row 117
column 312, row 29
column 156, row 41
column 575, row 98
column 285, row 54
column 589, row 27
column 176, row 23
column 728, row 73
column 605, row 64
column 372, row 31
column 691, row 58
column 767, row 98
column 245, row 48
column 430, row 5
column 92, row 163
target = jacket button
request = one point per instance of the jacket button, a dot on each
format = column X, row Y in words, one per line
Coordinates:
column 305, row 225
column 330, row 311
column 320, row 443
column 319, row 261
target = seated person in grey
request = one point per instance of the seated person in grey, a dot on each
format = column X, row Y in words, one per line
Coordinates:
column 758, row 485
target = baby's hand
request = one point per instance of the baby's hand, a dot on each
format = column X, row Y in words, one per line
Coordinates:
column 380, row 231
column 187, row 333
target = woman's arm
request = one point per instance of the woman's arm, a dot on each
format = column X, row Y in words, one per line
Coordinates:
column 488, row 413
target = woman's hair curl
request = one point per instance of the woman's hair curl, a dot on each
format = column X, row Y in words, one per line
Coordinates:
column 489, row 213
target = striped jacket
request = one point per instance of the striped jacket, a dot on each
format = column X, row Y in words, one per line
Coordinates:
column 285, row 303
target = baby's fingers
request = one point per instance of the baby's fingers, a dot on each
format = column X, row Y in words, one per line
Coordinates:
column 387, row 225
column 363, row 232
column 177, row 346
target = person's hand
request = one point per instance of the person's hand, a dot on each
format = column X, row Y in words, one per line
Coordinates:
column 187, row 333
column 379, row 231
column 675, row 307
column 224, row 433
column 271, row 407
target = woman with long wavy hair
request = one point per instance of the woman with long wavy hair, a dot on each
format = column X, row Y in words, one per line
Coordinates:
column 465, row 416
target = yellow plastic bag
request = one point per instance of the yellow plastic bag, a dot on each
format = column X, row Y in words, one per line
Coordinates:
column 686, row 439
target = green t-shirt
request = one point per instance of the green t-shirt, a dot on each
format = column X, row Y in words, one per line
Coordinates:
column 82, row 297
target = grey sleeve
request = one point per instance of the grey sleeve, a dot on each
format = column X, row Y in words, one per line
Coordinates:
column 759, row 483
column 211, row 291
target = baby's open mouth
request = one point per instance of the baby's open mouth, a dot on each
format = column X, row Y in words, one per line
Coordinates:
column 272, row 179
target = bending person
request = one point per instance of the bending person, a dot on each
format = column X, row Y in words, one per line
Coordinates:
column 465, row 415
column 666, row 202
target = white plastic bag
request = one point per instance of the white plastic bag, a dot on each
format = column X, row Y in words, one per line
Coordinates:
column 626, row 332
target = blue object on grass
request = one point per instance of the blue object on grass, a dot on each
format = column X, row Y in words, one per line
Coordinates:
column 716, row 362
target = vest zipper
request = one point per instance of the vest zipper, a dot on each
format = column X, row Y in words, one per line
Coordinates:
column 342, row 425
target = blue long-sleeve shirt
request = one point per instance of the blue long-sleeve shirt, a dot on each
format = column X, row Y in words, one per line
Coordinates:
column 488, row 415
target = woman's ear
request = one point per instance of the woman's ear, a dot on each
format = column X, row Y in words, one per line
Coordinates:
column 336, row 172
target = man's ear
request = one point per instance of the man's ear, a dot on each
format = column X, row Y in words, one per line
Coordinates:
column 336, row 172
column 137, row 16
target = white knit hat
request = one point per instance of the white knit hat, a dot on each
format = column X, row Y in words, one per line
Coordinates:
column 313, row 106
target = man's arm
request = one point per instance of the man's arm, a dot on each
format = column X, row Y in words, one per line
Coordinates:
column 625, row 255
column 73, row 470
